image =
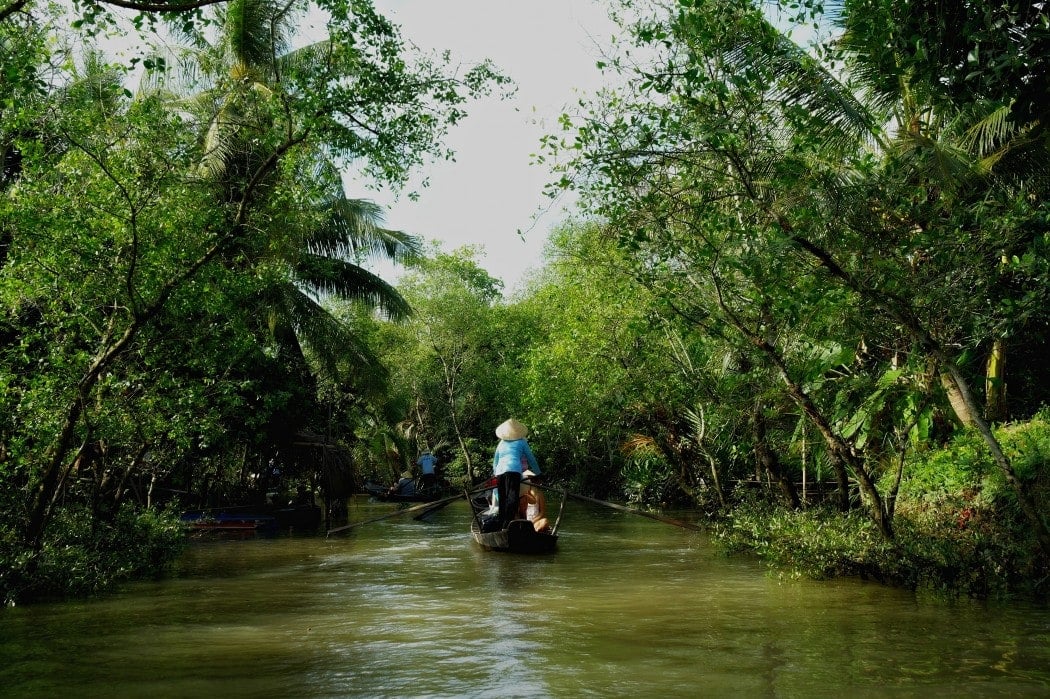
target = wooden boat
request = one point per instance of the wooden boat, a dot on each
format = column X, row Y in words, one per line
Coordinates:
column 228, row 523
column 380, row 492
column 251, row 519
column 519, row 536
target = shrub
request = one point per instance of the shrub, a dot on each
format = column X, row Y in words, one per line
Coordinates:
column 819, row 543
column 959, row 530
column 85, row 557
column 965, row 464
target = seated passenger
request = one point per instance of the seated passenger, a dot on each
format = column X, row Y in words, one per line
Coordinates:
column 532, row 503
column 405, row 486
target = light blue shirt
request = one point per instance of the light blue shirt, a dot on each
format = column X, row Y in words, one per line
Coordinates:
column 514, row 456
column 426, row 462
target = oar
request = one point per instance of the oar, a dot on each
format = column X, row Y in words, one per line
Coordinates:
column 643, row 513
column 435, row 506
column 561, row 509
column 479, row 488
column 415, row 508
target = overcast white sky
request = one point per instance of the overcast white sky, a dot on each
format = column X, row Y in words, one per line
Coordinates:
column 549, row 47
column 491, row 191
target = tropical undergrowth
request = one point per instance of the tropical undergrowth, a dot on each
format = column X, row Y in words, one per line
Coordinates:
column 84, row 556
column 958, row 528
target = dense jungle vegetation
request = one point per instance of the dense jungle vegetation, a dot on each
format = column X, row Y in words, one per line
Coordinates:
column 805, row 292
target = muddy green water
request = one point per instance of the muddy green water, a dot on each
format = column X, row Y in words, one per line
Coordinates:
column 628, row 607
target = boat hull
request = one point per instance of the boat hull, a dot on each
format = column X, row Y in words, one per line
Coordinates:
column 265, row 520
column 518, row 537
column 201, row 522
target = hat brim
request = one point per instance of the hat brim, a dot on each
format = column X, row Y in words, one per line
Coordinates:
column 511, row 430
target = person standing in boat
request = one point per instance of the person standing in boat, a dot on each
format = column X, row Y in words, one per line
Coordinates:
column 427, row 461
column 513, row 456
column 532, row 503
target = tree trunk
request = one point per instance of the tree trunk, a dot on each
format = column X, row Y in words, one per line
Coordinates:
column 994, row 383
column 450, row 394
column 958, row 391
column 965, row 412
column 839, row 451
column 768, row 460
column 1024, row 500
column 716, row 480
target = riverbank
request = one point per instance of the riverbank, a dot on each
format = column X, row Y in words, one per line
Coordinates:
column 958, row 528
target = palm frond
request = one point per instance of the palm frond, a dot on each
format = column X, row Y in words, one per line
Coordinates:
column 829, row 109
column 323, row 275
column 988, row 134
column 305, row 57
column 96, row 83
column 938, row 159
column 351, row 229
column 217, row 147
column 254, row 32
column 329, row 342
column 640, row 445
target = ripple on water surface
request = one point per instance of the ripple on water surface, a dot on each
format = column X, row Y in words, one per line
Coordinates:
column 627, row 607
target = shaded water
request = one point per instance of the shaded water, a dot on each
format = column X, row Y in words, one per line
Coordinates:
column 628, row 607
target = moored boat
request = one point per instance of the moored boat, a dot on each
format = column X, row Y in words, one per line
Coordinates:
column 223, row 522
column 249, row 519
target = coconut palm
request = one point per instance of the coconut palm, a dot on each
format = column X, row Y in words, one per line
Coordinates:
column 324, row 263
column 250, row 65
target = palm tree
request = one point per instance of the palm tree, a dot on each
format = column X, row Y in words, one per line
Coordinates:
column 324, row 263
column 249, row 63
column 316, row 250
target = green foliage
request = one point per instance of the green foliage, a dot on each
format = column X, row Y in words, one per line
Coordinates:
column 963, row 469
column 996, row 52
column 833, row 219
column 944, row 553
column 455, row 469
column 649, row 479
column 817, row 542
column 86, row 556
column 447, row 379
column 164, row 255
column 959, row 530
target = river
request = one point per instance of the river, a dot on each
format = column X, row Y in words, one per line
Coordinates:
column 627, row 607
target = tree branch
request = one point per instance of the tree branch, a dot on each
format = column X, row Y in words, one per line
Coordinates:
column 161, row 6
column 12, row 9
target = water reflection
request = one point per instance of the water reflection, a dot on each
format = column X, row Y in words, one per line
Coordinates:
column 628, row 607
